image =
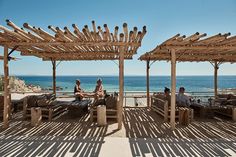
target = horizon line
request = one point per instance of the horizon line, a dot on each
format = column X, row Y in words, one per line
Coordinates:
column 113, row 75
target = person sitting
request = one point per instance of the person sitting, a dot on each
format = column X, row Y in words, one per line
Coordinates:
column 167, row 95
column 78, row 91
column 182, row 99
column 99, row 92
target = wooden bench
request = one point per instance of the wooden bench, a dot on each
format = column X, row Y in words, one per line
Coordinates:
column 49, row 108
column 160, row 106
column 228, row 110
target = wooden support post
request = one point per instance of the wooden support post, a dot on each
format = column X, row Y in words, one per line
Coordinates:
column 173, row 89
column 216, row 67
column 6, row 90
column 148, row 92
column 121, row 89
column 234, row 114
column 54, row 76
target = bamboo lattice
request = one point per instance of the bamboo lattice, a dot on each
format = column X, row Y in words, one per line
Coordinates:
column 78, row 44
column 196, row 47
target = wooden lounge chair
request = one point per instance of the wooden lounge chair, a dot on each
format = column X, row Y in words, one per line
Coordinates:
column 48, row 104
column 111, row 103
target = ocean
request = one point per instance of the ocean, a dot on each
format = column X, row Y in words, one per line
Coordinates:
column 134, row 83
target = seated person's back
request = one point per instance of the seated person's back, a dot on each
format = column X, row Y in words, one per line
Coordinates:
column 167, row 95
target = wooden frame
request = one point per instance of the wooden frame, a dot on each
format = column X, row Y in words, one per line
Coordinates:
column 84, row 44
column 195, row 48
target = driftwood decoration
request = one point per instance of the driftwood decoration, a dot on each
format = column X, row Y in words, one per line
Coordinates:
column 196, row 47
column 99, row 43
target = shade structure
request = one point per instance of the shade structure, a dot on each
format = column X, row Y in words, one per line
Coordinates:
column 77, row 44
column 96, row 43
column 197, row 47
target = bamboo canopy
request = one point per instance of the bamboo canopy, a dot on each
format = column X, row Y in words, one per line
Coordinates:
column 196, row 47
column 64, row 44
column 77, row 44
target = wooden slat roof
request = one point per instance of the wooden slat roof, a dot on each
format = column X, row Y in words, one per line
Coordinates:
column 196, row 47
column 64, row 44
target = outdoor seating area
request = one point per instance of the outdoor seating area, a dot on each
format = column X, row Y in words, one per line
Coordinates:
column 107, row 79
column 47, row 102
column 160, row 105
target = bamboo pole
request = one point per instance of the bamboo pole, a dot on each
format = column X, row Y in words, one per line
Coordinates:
column 54, row 76
column 173, row 89
column 148, row 92
column 216, row 67
column 6, row 90
column 116, row 33
column 121, row 89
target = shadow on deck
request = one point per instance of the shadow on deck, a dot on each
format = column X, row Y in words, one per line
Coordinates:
column 146, row 132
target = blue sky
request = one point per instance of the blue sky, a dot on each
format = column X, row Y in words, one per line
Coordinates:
column 162, row 18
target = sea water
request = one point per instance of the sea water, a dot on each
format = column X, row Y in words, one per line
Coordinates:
column 134, row 83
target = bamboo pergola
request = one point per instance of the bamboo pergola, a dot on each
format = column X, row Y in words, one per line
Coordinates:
column 66, row 45
column 216, row 49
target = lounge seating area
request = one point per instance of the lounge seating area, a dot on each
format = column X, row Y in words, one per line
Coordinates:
column 226, row 105
column 160, row 105
column 47, row 102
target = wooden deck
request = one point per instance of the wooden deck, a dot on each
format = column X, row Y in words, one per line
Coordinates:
column 143, row 133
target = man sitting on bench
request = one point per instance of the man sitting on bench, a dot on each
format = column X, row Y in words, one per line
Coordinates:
column 182, row 100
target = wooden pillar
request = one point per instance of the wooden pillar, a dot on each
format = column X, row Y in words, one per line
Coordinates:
column 173, row 89
column 54, row 76
column 148, row 92
column 6, row 89
column 216, row 67
column 121, row 88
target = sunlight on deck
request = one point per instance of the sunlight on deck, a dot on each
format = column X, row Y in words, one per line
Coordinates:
column 143, row 134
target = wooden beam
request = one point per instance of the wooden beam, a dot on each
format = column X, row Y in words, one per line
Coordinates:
column 76, row 53
column 76, row 43
column 216, row 67
column 54, row 76
column 121, row 88
column 96, row 58
column 6, row 90
column 147, row 79
column 200, row 47
column 173, row 89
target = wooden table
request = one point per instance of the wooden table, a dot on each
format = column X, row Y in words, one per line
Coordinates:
column 78, row 108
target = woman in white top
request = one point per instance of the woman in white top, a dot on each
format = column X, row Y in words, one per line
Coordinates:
column 99, row 92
